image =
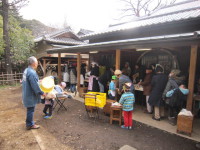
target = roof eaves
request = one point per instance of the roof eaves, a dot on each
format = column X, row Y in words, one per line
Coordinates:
column 38, row 39
column 122, row 42
column 63, row 41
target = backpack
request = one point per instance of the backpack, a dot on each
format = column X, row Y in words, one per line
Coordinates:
column 175, row 86
column 178, row 99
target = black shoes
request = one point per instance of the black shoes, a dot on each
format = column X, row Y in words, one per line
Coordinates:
column 155, row 118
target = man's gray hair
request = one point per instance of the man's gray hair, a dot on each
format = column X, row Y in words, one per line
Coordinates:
column 32, row 60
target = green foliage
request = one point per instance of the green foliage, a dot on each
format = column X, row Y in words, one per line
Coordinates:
column 21, row 42
column 1, row 37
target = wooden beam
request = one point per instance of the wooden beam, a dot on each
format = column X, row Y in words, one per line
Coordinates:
column 48, row 63
column 40, row 64
column 192, row 71
column 78, row 70
column 117, row 59
column 44, row 67
column 59, row 67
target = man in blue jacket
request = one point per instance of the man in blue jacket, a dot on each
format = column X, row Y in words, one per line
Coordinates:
column 122, row 80
column 31, row 92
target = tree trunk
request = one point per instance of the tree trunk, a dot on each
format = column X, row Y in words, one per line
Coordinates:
column 5, row 8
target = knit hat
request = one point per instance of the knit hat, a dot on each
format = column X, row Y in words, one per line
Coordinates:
column 176, row 72
column 117, row 72
column 114, row 77
column 63, row 84
column 159, row 68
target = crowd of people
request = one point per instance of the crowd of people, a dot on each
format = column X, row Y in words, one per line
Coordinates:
column 163, row 92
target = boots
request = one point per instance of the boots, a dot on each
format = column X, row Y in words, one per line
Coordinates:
column 172, row 120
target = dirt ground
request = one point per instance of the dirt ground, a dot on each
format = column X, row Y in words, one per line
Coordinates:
column 72, row 129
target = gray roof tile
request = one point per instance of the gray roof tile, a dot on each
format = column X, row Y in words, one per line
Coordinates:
column 53, row 38
column 176, row 12
column 65, row 41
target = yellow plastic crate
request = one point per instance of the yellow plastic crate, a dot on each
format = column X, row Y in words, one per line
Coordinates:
column 100, row 99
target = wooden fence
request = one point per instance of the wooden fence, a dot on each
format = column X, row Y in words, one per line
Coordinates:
column 8, row 79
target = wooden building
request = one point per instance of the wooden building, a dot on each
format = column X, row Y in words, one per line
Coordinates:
column 60, row 39
column 170, row 36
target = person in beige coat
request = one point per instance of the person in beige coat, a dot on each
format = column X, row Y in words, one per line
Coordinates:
column 147, row 88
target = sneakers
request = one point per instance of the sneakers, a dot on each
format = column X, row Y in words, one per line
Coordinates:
column 47, row 117
column 46, row 114
column 69, row 96
column 198, row 145
column 33, row 127
column 123, row 127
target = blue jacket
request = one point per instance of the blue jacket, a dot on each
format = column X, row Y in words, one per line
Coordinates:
column 171, row 92
column 122, row 80
column 127, row 100
column 31, row 91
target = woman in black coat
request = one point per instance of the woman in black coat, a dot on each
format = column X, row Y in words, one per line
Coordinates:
column 95, row 74
column 158, row 84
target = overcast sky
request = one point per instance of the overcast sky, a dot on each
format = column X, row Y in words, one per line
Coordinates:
column 88, row 14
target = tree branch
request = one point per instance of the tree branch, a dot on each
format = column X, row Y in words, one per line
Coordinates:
column 144, row 7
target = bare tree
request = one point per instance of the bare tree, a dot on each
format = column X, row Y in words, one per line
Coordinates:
column 6, row 7
column 138, row 8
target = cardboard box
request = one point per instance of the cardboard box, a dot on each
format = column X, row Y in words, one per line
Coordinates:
column 185, row 124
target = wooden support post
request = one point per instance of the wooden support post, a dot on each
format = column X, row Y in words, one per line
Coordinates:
column 192, row 71
column 44, row 67
column 117, row 59
column 59, row 67
column 78, row 70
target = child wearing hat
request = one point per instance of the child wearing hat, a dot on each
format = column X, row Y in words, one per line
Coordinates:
column 112, row 88
column 127, row 101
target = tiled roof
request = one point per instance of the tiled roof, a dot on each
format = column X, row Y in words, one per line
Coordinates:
column 84, row 32
column 53, row 38
column 176, row 12
column 54, row 34
column 177, row 7
column 64, row 41
column 123, row 44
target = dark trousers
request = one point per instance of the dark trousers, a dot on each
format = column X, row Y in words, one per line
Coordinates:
column 48, row 107
column 73, row 88
column 173, row 111
column 29, row 116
